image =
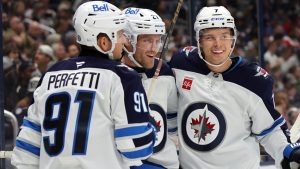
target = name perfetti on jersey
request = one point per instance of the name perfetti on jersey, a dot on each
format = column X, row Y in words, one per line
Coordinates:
column 83, row 79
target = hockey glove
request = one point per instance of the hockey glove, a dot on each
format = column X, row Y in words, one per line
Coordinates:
column 291, row 154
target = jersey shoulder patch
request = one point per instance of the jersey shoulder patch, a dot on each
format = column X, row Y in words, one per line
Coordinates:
column 189, row 49
column 261, row 72
column 188, row 59
column 251, row 76
column 255, row 70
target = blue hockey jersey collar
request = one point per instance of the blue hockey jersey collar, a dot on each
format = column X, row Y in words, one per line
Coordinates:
column 238, row 62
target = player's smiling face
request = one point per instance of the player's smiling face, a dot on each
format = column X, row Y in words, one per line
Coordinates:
column 147, row 48
column 216, row 44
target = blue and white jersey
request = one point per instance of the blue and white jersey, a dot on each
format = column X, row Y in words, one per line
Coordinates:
column 222, row 117
column 89, row 113
column 163, row 105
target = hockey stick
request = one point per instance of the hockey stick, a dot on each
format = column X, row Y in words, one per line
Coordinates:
column 164, row 50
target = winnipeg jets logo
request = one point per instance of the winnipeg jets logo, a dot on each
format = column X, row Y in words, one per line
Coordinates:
column 159, row 120
column 79, row 64
column 261, row 72
column 188, row 49
column 203, row 126
column 157, row 125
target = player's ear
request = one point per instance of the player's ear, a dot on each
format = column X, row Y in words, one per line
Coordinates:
column 104, row 42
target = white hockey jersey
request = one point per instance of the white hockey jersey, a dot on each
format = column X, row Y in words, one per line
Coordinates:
column 163, row 105
column 222, row 117
column 88, row 113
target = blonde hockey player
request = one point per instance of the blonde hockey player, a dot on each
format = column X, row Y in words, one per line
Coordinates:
column 145, row 31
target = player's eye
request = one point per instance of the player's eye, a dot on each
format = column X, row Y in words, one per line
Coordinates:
column 208, row 38
column 148, row 40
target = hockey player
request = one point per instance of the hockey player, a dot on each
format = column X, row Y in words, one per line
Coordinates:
column 225, row 104
column 145, row 31
column 89, row 112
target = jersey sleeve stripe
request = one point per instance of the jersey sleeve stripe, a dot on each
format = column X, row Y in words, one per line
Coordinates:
column 140, row 141
column 132, row 131
column 172, row 130
column 142, row 153
column 136, row 142
column 278, row 122
column 29, row 124
column 171, row 115
column 128, row 143
column 28, row 147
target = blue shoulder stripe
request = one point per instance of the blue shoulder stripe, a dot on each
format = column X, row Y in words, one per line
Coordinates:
column 133, row 130
column 275, row 124
column 28, row 147
column 33, row 126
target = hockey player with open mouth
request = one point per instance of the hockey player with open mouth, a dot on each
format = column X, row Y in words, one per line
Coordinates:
column 145, row 31
column 226, row 106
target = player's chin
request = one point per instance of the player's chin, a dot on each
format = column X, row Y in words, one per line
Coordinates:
column 216, row 61
column 149, row 64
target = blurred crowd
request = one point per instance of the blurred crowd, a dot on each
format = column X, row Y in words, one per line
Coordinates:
column 38, row 33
